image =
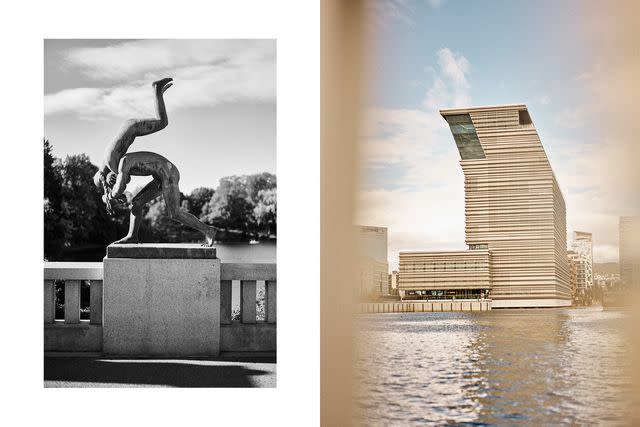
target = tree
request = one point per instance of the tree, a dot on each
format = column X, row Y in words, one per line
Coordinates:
column 233, row 206
column 160, row 227
column 198, row 198
column 54, row 224
column 80, row 198
column 264, row 211
column 76, row 221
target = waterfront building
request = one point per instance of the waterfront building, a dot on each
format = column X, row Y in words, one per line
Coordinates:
column 373, row 266
column 393, row 283
column 629, row 247
column 582, row 245
column 574, row 260
column 579, row 263
column 513, row 205
column 462, row 274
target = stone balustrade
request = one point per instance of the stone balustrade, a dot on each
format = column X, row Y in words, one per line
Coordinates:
column 71, row 334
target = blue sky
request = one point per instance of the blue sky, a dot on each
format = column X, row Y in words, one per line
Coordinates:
column 221, row 108
column 433, row 54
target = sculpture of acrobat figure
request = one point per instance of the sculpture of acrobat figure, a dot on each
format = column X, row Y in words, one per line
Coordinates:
column 117, row 168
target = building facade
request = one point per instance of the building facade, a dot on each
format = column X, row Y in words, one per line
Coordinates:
column 629, row 247
column 513, row 205
column 393, row 283
column 573, row 273
column 582, row 245
column 445, row 275
column 373, row 266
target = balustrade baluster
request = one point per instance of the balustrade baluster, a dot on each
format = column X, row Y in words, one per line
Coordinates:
column 95, row 309
column 271, row 301
column 72, row 301
column 49, row 301
column 225, row 302
column 248, row 301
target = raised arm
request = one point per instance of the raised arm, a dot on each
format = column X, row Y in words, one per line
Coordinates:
column 121, row 180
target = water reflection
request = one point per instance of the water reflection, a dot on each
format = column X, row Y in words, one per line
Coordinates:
column 502, row 367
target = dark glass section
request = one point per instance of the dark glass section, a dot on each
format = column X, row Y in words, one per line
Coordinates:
column 447, row 294
column 524, row 118
column 464, row 133
column 479, row 246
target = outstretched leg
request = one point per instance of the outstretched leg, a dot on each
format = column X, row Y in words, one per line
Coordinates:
column 144, row 196
column 147, row 126
column 171, row 194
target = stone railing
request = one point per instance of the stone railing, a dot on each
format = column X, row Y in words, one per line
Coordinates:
column 71, row 334
column 247, row 334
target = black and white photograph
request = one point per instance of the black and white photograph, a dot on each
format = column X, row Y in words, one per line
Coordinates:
column 160, row 200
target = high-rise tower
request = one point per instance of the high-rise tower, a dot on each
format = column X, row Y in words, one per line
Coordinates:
column 513, row 205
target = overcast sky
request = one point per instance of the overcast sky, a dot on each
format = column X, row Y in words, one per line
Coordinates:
column 434, row 54
column 221, row 107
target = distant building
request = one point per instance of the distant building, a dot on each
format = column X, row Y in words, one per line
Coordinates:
column 393, row 283
column 373, row 264
column 629, row 247
column 445, row 275
column 578, row 261
column 582, row 245
column 572, row 257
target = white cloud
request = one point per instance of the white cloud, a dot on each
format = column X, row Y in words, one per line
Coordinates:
column 450, row 87
column 384, row 14
column 132, row 60
column 543, row 99
column 205, row 72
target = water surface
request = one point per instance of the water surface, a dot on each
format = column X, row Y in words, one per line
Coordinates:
column 534, row 367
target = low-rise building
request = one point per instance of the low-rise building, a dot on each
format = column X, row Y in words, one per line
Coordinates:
column 462, row 274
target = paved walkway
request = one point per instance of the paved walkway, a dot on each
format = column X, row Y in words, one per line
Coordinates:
column 117, row 372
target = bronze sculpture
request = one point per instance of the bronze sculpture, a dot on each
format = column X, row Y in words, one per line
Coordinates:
column 118, row 166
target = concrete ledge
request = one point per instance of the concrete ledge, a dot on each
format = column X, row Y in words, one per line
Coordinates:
column 424, row 306
column 241, row 337
column 79, row 337
column 73, row 271
column 161, row 251
column 530, row 303
column 248, row 271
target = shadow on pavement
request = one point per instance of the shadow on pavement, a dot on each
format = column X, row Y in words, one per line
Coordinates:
column 171, row 372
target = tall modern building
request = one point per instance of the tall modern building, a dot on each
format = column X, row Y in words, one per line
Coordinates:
column 582, row 245
column 629, row 246
column 513, row 205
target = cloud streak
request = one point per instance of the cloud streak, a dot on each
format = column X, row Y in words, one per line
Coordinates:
column 206, row 73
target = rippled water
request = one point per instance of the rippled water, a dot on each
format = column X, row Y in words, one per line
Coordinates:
column 535, row 367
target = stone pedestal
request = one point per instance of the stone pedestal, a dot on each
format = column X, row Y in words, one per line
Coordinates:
column 161, row 300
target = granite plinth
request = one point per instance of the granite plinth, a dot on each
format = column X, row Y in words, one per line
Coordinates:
column 164, row 305
column 161, row 251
